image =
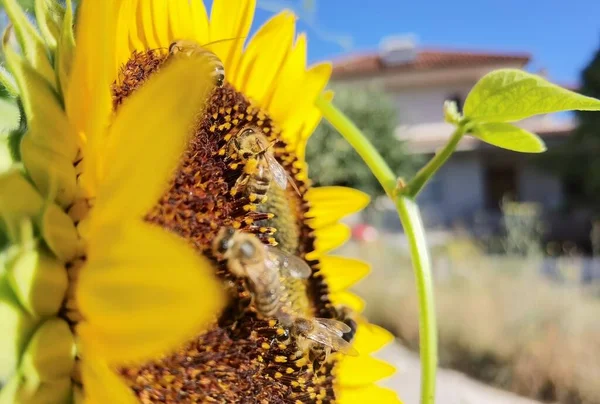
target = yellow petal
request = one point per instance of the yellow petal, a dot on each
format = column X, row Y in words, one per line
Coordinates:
column 160, row 21
column 180, row 20
column 348, row 299
column 330, row 204
column 199, row 22
column 230, row 22
column 264, row 57
column 299, row 137
column 143, row 291
column 313, row 83
column 102, row 385
column 147, row 138
column 123, row 46
column 329, row 238
column 341, row 272
column 88, row 102
column 367, row 394
column 370, row 338
column 355, row 371
column 145, row 25
column 136, row 36
column 289, row 83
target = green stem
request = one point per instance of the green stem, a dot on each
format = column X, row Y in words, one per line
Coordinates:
column 420, row 179
column 410, row 218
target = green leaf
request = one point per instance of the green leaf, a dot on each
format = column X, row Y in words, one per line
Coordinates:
column 509, row 137
column 509, row 95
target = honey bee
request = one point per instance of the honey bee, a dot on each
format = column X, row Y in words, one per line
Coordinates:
column 320, row 336
column 260, row 166
column 189, row 48
column 263, row 267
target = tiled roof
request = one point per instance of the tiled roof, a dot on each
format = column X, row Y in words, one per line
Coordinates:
column 425, row 59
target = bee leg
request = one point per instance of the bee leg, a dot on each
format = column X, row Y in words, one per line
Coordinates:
column 257, row 198
column 239, row 183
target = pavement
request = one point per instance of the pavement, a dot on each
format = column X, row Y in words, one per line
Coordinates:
column 452, row 387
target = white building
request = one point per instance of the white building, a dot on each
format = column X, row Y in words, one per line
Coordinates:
column 470, row 187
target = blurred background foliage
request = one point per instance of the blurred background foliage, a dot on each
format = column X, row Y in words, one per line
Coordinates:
column 579, row 168
column 332, row 160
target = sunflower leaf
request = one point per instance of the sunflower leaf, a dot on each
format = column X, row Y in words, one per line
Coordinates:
column 508, row 137
column 508, row 95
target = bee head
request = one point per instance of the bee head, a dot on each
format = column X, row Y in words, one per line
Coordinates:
column 224, row 241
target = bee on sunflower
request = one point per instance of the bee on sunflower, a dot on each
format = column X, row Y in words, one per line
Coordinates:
column 147, row 136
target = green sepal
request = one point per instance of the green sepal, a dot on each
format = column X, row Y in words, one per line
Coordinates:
column 65, row 50
column 31, row 42
column 19, row 391
column 59, row 233
column 39, row 281
column 47, row 122
column 17, row 327
column 509, row 95
column 49, row 15
column 508, row 136
column 19, row 200
column 52, row 173
column 50, row 354
column 10, row 115
column 6, row 157
column 8, row 82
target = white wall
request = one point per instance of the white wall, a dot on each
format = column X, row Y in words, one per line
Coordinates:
column 424, row 105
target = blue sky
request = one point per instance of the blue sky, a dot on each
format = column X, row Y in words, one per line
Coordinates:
column 561, row 35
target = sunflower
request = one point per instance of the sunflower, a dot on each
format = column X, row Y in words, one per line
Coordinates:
column 82, row 285
column 269, row 88
column 112, row 139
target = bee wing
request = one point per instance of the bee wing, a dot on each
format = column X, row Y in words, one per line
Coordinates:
column 334, row 325
column 327, row 336
column 288, row 264
column 278, row 172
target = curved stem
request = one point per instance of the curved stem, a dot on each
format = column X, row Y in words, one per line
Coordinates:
column 415, row 185
column 410, row 218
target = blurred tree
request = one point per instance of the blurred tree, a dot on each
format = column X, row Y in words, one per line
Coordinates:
column 332, row 160
column 578, row 162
